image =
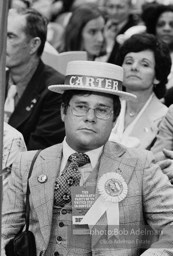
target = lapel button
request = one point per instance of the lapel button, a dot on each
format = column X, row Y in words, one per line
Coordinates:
column 146, row 129
column 28, row 108
column 42, row 178
column 34, row 101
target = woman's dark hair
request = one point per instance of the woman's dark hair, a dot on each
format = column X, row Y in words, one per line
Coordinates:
column 27, row 3
column 73, row 32
column 151, row 14
column 67, row 95
column 145, row 41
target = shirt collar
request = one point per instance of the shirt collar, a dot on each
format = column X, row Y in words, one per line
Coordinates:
column 93, row 154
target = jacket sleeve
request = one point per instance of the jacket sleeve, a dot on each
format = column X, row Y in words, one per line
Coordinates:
column 164, row 137
column 13, row 207
column 158, row 208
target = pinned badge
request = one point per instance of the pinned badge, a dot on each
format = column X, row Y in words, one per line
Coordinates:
column 112, row 187
column 42, row 178
column 146, row 129
column 33, row 102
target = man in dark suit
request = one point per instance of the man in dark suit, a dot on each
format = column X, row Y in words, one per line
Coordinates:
column 33, row 110
column 119, row 19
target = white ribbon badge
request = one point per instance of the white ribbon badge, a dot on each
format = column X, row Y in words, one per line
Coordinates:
column 112, row 189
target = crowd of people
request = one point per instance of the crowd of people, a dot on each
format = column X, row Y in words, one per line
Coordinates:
column 102, row 183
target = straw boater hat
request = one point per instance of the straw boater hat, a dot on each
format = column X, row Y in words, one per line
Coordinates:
column 93, row 76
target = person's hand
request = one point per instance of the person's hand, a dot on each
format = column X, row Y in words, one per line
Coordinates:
column 167, row 164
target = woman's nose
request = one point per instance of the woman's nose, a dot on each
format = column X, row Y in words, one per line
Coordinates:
column 167, row 27
column 100, row 37
column 134, row 65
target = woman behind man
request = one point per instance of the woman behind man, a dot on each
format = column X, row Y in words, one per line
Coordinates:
column 146, row 62
column 158, row 19
column 84, row 31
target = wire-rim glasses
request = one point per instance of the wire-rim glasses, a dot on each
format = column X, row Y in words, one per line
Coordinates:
column 101, row 112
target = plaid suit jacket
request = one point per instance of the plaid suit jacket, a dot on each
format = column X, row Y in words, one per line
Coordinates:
column 149, row 199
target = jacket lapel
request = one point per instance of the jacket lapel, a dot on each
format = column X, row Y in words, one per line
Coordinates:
column 147, row 126
column 42, row 193
column 113, row 159
column 29, row 99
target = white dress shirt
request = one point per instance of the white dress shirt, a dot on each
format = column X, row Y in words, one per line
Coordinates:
column 85, row 170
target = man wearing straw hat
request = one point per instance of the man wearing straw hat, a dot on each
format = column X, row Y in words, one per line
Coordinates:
column 89, row 196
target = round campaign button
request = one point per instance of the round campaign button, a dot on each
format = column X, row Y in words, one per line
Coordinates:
column 112, row 187
column 42, row 178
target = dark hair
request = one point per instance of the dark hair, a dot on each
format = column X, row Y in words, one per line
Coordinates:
column 73, row 32
column 67, row 96
column 151, row 14
column 145, row 41
column 36, row 26
column 27, row 3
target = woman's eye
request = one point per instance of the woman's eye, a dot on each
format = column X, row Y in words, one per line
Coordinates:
column 128, row 62
column 145, row 64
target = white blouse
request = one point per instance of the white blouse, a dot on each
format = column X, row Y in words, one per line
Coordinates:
column 120, row 134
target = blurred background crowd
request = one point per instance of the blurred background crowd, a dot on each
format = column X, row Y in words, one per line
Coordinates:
column 135, row 34
column 118, row 16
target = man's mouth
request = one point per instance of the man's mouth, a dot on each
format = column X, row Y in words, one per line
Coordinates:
column 133, row 76
column 87, row 129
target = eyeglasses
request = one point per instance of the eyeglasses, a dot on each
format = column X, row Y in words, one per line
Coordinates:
column 100, row 112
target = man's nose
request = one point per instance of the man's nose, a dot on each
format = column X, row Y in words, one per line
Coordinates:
column 90, row 115
column 115, row 10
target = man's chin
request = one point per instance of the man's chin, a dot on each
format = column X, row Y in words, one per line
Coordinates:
column 87, row 143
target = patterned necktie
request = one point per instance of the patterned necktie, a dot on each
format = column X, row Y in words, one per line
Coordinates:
column 69, row 177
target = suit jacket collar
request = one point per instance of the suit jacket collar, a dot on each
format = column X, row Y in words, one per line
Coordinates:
column 114, row 159
column 129, row 23
column 147, row 126
column 115, row 156
column 48, row 164
column 29, row 98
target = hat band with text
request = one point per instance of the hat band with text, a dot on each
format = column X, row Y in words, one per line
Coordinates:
column 94, row 82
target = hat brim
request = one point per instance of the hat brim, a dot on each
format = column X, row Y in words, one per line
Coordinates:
column 61, row 88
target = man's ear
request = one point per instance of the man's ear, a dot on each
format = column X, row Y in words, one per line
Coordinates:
column 34, row 44
column 114, row 122
column 62, row 112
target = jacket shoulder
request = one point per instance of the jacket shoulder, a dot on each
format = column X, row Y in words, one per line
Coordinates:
column 51, row 74
column 141, row 156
